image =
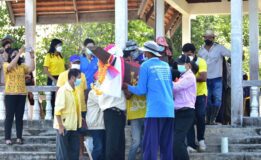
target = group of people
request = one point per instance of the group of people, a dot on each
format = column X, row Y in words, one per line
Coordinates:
column 162, row 105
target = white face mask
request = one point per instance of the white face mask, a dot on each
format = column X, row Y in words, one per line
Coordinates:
column 191, row 58
column 75, row 66
column 59, row 49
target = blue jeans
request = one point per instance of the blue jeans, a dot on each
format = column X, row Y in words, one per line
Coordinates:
column 214, row 92
column 98, row 152
column 67, row 146
column 200, row 112
column 137, row 126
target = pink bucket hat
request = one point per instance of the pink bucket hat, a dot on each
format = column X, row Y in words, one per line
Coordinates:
column 162, row 41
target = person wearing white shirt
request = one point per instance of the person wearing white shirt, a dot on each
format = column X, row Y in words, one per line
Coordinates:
column 213, row 53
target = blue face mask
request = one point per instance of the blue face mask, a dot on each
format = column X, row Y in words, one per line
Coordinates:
column 145, row 58
column 78, row 82
column 88, row 51
column 182, row 68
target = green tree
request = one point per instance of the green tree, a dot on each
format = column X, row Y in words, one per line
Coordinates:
column 73, row 36
column 5, row 28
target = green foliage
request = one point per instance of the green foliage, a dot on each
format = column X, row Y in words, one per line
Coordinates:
column 5, row 28
column 73, row 36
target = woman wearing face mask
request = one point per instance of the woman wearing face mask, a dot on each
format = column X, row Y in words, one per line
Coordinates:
column 15, row 92
column 54, row 65
column 184, row 93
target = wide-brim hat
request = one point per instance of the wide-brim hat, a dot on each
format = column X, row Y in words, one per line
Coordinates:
column 209, row 33
column 152, row 47
column 131, row 46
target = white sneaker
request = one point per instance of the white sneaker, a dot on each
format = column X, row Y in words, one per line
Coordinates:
column 202, row 146
column 191, row 150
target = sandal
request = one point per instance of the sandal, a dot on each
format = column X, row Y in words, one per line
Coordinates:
column 19, row 141
column 8, row 142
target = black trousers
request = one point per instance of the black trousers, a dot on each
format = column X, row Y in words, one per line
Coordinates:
column 67, row 146
column 183, row 121
column 14, row 107
column 114, row 121
column 49, row 83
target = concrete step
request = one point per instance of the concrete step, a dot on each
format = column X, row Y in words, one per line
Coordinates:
column 32, row 132
column 234, row 140
column 235, row 148
column 251, row 122
column 28, row 148
column 227, row 156
column 34, row 140
column 27, row 155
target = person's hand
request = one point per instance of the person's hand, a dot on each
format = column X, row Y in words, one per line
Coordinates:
column 125, row 85
column 21, row 50
column 55, row 81
column 61, row 130
column 32, row 54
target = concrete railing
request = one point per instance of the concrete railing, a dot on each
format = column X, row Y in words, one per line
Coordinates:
column 36, row 109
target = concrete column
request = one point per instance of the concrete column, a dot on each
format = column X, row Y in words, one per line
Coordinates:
column 121, row 22
column 30, row 27
column 253, row 39
column 236, row 68
column 159, row 18
column 186, row 29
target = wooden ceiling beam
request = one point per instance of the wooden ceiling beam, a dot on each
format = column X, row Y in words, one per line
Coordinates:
column 148, row 15
column 176, row 26
column 11, row 13
column 142, row 8
column 76, row 11
column 171, row 21
column 106, row 16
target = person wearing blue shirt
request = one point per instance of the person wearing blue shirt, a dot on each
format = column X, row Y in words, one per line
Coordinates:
column 89, row 63
column 89, row 66
column 155, row 81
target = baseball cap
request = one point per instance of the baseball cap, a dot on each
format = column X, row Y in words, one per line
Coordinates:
column 74, row 58
column 183, row 59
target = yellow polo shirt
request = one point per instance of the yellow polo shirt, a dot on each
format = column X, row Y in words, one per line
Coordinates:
column 68, row 108
column 63, row 78
column 15, row 79
column 201, row 86
column 55, row 64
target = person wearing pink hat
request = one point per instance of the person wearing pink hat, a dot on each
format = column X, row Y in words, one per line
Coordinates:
column 164, row 48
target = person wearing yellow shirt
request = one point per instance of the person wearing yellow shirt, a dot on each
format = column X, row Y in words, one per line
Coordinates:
column 200, row 105
column 15, row 92
column 68, row 117
column 74, row 63
column 54, row 65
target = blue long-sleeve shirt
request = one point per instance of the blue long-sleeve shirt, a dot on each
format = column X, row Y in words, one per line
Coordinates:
column 89, row 68
column 155, row 81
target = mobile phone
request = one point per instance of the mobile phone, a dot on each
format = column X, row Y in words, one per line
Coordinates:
column 28, row 49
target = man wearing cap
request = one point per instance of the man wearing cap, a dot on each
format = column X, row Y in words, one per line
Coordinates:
column 6, row 44
column 155, row 81
column 133, row 49
column 74, row 63
column 213, row 53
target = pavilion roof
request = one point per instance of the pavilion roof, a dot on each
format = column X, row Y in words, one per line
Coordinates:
column 74, row 11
